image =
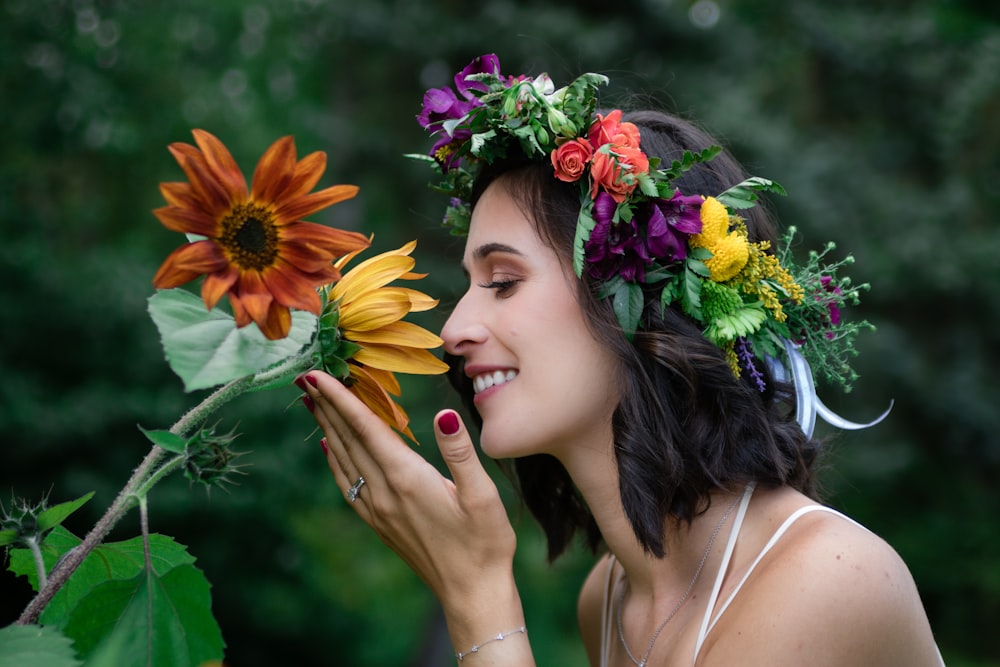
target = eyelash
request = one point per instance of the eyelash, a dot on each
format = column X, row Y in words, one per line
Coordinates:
column 501, row 286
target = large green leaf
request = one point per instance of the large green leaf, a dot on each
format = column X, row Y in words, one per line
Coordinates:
column 205, row 348
column 35, row 646
column 149, row 620
column 115, row 560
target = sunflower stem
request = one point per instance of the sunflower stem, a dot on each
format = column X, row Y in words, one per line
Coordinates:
column 135, row 488
column 36, row 553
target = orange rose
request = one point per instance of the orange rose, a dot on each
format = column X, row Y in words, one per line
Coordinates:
column 570, row 159
column 610, row 130
column 616, row 171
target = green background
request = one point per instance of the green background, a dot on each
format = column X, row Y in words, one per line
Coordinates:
column 880, row 119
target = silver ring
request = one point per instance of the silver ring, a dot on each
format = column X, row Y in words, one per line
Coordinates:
column 352, row 493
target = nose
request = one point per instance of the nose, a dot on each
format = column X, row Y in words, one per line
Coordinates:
column 465, row 327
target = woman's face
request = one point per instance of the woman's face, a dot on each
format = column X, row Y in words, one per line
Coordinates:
column 543, row 383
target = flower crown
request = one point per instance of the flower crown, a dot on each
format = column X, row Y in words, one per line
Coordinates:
column 636, row 229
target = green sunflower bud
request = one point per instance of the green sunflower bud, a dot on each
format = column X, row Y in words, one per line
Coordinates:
column 28, row 523
column 209, row 458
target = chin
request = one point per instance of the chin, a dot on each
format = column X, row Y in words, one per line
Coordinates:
column 502, row 445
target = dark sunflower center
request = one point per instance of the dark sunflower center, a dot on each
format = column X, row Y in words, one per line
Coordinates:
column 250, row 236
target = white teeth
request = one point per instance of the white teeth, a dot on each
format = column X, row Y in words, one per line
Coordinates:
column 486, row 380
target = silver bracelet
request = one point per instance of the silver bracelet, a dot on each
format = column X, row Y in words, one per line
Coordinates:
column 462, row 655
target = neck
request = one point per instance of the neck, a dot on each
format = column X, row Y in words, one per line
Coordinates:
column 596, row 476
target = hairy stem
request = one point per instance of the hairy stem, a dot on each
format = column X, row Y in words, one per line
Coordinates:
column 126, row 497
column 36, row 552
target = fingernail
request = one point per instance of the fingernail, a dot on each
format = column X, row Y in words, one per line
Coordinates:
column 311, row 379
column 300, row 383
column 308, row 402
column 326, row 448
column 448, row 423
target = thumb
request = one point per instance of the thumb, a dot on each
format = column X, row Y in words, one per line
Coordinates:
column 458, row 451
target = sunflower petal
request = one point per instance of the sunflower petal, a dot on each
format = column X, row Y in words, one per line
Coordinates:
column 307, row 174
column 335, row 241
column 379, row 401
column 215, row 199
column 222, row 165
column 180, row 194
column 187, row 221
column 254, row 296
column 290, row 288
column 277, row 323
column 370, row 275
column 274, row 172
column 419, row 302
column 400, row 334
column 374, row 310
column 386, row 379
column 240, row 313
column 400, row 360
column 188, row 262
column 300, row 207
column 217, row 284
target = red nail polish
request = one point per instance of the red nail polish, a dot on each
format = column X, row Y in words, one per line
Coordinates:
column 308, row 402
column 300, row 383
column 311, row 379
column 326, row 448
column 448, row 423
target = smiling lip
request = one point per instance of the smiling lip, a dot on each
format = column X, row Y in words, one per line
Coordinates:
column 486, row 379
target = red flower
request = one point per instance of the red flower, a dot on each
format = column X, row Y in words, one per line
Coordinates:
column 610, row 130
column 570, row 159
column 616, row 169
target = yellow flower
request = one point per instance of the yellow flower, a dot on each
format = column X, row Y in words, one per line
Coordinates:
column 370, row 316
column 730, row 250
column 714, row 223
column 729, row 256
column 257, row 249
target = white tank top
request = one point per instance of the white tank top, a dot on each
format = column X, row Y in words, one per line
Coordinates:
column 709, row 620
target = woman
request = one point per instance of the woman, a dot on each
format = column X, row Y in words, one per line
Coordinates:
column 600, row 346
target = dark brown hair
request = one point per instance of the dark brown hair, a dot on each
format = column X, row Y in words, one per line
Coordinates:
column 685, row 425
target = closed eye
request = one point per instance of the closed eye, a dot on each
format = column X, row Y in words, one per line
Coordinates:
column 502, row 287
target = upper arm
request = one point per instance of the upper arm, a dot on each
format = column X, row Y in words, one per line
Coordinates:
column 589, row 606
column 832, row 595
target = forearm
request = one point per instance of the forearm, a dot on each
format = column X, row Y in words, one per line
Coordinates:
column 477, row 619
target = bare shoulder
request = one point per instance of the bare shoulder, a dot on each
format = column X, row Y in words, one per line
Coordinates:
column 829, row 593
column 589, row 608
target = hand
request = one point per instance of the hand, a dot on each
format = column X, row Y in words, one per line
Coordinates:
column 455, row 533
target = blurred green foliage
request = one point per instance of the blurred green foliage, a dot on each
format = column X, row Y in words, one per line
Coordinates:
column 879, row 119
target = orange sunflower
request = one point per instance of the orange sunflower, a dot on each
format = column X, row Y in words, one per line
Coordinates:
column 257, row 249
column 370, row 318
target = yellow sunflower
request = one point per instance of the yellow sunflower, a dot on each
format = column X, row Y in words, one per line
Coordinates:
column 256, row 247
column 370, row 318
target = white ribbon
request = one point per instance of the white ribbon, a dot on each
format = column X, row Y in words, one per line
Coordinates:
column 807, row 404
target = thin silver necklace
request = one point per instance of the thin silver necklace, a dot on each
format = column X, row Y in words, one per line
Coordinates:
column 680, row 603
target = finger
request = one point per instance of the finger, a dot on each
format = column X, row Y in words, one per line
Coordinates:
column 345, row 439
column 459, row 454
column 365, row 435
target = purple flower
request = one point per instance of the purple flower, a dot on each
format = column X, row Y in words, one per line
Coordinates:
column 443, row 104
column 744, row 352
column 487, row 64
column 832, row 306
column 614, row 249
column 658, row 232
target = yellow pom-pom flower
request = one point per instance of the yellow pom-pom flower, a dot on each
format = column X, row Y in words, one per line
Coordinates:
column 729, row 256
column 714, row 223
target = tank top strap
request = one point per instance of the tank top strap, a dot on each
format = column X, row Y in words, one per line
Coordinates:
column 606, row 611
column 709, row 621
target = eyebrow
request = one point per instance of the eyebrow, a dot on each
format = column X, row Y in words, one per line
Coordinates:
column 487, row 249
